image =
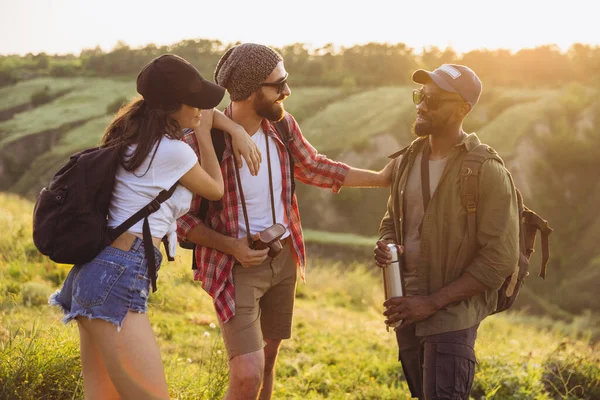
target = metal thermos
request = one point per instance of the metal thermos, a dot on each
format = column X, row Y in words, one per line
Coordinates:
column 392, row 277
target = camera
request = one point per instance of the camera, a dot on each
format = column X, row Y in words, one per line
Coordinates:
column 270, row 238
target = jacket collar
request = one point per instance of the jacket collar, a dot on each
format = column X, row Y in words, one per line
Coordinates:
column 469, row 142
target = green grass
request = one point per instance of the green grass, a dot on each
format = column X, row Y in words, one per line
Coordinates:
column 339, row 349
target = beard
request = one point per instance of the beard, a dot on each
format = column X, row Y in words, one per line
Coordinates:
column 267, row 109
column 431, row 126
column 422, row 129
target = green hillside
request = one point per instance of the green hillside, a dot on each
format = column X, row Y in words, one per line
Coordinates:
column 333, row 119
column 77, row 120
column 87, row 100
column 352, row 121
column 504, row 131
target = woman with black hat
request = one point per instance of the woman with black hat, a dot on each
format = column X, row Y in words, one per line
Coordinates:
column 108, row 296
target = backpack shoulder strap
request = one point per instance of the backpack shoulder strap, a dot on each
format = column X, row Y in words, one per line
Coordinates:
column 533, row 223
column 218, row 139
column 145, row 211
column 469, row 182
column 284, row 132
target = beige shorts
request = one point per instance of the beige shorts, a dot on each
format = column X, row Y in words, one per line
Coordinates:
column 264, row 303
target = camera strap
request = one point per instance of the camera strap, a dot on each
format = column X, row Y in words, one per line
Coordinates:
column 243, row 199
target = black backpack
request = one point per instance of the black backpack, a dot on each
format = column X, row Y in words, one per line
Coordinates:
column 70, row 214
column 218, row 140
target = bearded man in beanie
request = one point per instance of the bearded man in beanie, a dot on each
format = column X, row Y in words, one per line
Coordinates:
column 254, row 293
column 454, row 260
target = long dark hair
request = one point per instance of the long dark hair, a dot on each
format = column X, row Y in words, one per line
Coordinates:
column 137, row 123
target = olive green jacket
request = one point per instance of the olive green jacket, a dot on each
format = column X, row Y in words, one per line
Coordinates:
column 446, row 253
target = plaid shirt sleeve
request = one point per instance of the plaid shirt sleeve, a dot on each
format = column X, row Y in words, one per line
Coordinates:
column 190, row 220
column 311, row 167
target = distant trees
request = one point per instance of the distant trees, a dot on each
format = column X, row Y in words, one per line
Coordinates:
column 372, row 64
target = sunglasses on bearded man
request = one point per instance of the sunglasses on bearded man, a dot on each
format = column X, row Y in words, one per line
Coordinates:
column 279, row 85
column 433, row 100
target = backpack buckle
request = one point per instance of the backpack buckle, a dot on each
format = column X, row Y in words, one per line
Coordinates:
column 153, row 206
column 470, row 203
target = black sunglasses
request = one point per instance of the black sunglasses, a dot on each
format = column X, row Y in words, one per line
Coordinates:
column 433, row 100
column 279, row 85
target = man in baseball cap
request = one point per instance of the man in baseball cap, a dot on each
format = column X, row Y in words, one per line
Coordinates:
column 453, row 78
column 446, row 97
column 458, row 248
column 255, row 305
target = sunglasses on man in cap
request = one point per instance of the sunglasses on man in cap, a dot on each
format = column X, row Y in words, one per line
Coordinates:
column 433, row 100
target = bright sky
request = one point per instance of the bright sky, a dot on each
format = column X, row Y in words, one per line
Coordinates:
column 63, row 26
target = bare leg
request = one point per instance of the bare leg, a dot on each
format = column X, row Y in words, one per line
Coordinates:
column 131, row 356
column 96, row 382
column 245, row 376
column 271, row 351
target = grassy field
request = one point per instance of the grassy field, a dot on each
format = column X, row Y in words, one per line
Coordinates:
column 340, row 348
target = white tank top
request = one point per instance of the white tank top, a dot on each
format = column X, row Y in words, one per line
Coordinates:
column 134, row 190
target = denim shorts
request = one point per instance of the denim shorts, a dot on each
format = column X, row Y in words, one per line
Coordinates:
column 109, row 286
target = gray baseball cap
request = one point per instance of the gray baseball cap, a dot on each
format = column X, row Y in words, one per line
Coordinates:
column 453, row 78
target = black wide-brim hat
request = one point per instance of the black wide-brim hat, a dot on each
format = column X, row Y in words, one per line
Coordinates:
column 169, row 80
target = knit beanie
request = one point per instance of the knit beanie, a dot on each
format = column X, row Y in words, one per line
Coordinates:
column 244, row 67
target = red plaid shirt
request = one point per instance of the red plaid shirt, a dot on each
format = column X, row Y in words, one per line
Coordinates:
column 215, row 267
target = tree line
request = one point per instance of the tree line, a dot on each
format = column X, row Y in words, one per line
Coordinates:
column 372, row 64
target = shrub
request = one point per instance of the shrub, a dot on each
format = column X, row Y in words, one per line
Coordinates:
column 10, row 288
column 35, row 293
column 572, row 374
column 64, row 70
column 41, row 96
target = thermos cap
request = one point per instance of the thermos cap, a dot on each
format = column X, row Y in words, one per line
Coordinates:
column 394, row 250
